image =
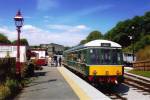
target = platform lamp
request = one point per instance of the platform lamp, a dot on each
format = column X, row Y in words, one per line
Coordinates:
column 131, row 37
column 133, row 41
column 19, row 23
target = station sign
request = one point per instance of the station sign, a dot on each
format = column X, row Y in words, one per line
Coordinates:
column 105, row 45
column 5, row 48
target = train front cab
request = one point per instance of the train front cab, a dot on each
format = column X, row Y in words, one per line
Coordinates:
column 105, row 65
column 109, row 74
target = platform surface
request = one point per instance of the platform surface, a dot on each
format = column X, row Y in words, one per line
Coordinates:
column 48, row 85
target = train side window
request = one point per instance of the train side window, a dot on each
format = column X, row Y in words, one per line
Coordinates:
column 91, row 50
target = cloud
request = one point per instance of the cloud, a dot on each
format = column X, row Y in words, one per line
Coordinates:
column 36, row 35
column 31, row 29
column 44, row 5
column 47, row 17
column 68, row 28
column 27, row 17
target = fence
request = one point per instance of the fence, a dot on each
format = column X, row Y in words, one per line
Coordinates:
column 142, row 65
column 7, row 68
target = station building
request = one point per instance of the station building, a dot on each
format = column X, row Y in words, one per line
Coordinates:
column 11, row 51
column 53, row 48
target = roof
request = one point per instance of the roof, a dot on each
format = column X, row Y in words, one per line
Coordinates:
column 52, row 44
column 10, row 45
column 38, row 49
column 97, row 43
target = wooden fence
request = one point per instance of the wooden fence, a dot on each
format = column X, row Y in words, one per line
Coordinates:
column 7, row 68
column 142, row 65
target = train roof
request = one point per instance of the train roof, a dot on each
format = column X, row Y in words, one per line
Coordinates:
column 97, row 43
column 100, row 42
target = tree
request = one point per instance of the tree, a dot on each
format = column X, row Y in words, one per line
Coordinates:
column 140, row 32
column 4, row 39
column 93, row 36
column 66, row 48
column 22, row 42
column 82, row 41
column 145, row 41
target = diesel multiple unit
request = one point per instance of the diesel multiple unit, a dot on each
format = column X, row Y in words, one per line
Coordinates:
column 99, row 60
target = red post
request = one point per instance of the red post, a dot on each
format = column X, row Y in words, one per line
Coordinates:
column 18, row 22
column 18, row 68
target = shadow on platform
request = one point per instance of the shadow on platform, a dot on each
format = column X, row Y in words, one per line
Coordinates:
column 41, row 82
column 36, row 74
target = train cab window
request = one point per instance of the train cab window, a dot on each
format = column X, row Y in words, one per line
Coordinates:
column 111, row 56
column 105, row 56
column 116, row 56
column 94, row 56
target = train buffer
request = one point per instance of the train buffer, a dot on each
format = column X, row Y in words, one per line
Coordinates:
column 58, row 83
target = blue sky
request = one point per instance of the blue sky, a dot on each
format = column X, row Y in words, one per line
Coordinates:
column 66, row 21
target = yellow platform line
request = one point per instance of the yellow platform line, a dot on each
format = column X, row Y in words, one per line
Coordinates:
column 76, row 88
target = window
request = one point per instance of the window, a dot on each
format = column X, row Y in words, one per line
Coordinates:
column 105, row 56
column 94, row 56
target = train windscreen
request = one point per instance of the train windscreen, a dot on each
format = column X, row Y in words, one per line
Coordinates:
column 105, row 57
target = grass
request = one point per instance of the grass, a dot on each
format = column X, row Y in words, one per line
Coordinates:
column 141, row 73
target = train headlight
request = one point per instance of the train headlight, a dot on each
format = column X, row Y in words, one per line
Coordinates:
column 117, row 72
column 107, row 72
column 94, row 72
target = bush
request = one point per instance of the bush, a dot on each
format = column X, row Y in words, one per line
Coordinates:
column 7, row 66
column 29, row 70
column 143, row 54
column 11, row 87
column 4, row 92
column 12, row 84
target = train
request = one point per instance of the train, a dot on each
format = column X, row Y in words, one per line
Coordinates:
column 99, row 61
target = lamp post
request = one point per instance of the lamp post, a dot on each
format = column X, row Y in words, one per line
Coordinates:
column 18, row 22
column 132, row 39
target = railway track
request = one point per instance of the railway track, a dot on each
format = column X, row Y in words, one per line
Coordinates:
column 112, row 94
column 115, row 96
column 137, row 82
column 142, row 85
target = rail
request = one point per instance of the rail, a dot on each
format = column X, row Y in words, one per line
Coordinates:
column 137, row 81
column 142, row 65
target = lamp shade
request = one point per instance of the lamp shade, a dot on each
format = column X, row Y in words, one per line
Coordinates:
column 18, row 19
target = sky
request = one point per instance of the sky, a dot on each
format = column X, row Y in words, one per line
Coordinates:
column 66, row 22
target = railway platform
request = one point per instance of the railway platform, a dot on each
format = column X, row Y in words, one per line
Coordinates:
column 58, row 83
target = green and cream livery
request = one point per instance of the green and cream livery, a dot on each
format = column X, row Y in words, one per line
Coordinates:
column 99, row 60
